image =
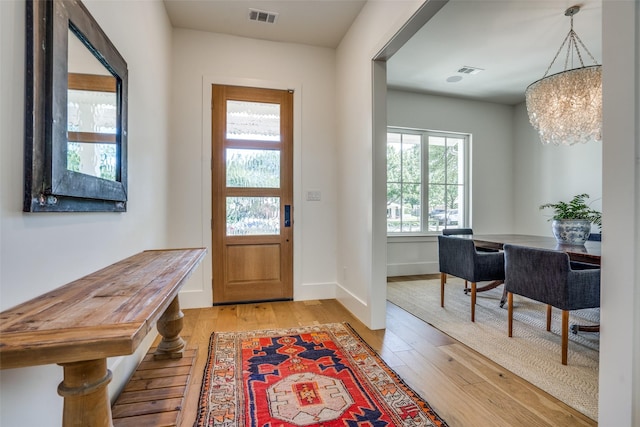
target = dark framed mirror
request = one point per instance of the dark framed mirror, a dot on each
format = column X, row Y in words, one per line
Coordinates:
column 75, row 112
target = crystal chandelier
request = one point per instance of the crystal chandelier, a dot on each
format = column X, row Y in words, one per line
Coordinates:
column 566, row 108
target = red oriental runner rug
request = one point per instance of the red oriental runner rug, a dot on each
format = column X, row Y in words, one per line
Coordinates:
column 324, row 375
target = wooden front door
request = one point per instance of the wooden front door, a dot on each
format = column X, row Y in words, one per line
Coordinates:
column 252, row 187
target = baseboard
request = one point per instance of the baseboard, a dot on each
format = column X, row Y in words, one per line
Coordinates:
column 355, row 305
column 198, row 298
column 412, row 269
column 311, row 291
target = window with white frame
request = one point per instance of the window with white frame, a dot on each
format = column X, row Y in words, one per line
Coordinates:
column 427, row 180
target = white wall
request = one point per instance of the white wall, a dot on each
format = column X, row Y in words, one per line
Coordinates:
column 201, row 59
column 492, row 130
column 619, row 391
column 549, row 173
column 41, row 251
column 361, row 206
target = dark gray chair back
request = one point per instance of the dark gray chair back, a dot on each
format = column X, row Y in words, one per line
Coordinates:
column 454, row 231
column 595, row 237
column 459, row 257
column 549, row 277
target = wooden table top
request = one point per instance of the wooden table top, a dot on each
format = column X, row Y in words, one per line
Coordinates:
column 589, row 252
column 104, row 314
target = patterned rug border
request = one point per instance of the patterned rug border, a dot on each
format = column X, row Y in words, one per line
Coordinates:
column 327, row 327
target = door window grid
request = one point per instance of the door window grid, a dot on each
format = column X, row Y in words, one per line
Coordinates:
column 254, row 121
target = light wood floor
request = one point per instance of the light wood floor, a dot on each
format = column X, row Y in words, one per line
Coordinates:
column 463, row 387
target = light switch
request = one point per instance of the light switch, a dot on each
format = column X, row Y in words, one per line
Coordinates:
column 314, row 196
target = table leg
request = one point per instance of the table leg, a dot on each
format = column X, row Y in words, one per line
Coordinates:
column 492, row 285
column 584, row 328
column 169, row 326
column 85, row 393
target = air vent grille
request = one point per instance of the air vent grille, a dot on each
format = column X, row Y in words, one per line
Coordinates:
column 470, row 70
column 262, row 16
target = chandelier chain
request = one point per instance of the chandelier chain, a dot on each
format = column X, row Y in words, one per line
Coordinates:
column 573, row 39
column 566, row 107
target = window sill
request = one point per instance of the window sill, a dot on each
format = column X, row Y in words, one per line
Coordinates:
column 412, row 238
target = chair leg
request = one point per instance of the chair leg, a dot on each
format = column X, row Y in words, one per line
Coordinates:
column 565, row 335
column 548, row 317
column 510, row 312
column 443, row 279
column 473, row 301
column 465, row 284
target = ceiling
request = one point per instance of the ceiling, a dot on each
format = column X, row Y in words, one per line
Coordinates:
column 314, row 22
column 513, row 41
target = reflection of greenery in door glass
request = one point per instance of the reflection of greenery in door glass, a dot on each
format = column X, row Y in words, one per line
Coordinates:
column 92, row 159
column 253, row 168
column 253, row 216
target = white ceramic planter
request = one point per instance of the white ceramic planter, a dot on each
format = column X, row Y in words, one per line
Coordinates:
column 571, row 231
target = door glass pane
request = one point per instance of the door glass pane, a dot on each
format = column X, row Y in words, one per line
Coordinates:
column 256, row 121
column 253, row 216
column 253, row 168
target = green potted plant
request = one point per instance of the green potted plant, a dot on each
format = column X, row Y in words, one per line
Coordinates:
column 572, row 220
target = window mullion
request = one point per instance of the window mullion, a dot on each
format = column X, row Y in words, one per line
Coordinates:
column 402, row 182
column 424, row 180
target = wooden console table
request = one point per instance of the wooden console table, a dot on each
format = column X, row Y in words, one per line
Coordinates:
column 105, row 314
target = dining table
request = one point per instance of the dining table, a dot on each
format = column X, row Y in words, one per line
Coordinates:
column 589, row 253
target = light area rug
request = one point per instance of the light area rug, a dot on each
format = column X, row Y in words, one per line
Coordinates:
column 322, row 375
column 532, row 353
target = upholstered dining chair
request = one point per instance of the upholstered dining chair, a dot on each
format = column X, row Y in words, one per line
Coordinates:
column 548, row 276
column 469, row 232
column 456, row 231
column 459, row 257
column 595, row 237
column 465, row 231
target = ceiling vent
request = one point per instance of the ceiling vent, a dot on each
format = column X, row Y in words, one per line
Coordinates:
column 262, row 16
column 470, row 70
